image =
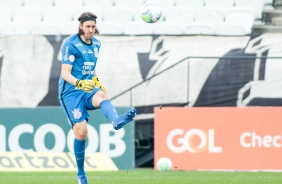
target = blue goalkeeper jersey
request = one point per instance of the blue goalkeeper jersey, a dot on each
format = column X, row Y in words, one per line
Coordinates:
column 83, row 58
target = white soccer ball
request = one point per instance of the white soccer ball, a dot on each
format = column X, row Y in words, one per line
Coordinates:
column 164, row 164
column 150, row 12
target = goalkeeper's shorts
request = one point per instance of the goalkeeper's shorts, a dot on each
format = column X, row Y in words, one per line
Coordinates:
column 76, row 104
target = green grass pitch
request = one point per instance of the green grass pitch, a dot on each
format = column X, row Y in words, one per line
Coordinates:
column 144, row 176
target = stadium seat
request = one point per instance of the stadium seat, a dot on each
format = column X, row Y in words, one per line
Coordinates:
column 136, row 4
column 227, row 29
column 221, row 4
column 68, row 3
column 119, row 15
column 76, row 12
column 209, row 14
column 44, row 29
column 138, row 28
column 266, row 2
column 100, row 3
column 168, row 29
column 200, row 28
column 183, row 16
column 57, row 16
column 69, row 28
column 256, row 5
column 28, row 16
column 39, row 3
column 166, row 4
column 190, row 3
column 240, row 16
column 237, row 22
column 11, row 3
column 110, row 28
column 6, row 16
column 15, row 29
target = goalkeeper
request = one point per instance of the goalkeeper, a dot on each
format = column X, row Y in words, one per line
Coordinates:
column 80, row 89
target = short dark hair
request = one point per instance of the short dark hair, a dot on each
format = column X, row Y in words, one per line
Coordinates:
column 84, row 17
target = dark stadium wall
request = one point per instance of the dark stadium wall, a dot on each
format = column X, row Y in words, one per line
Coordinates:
column 126, row 61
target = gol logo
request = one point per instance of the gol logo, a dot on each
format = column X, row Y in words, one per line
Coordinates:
column 185, row 141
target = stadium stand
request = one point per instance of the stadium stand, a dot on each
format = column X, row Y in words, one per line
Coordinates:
column 6, row 16
column 129, row 4
column 255, row 5
column 11, row 3
column 271, row 21
column 195, row 4
column 167, row 4
column 138, row 28
column 183, row 16
column 200, row 28
column 45, row 29
column 99, row 3
column 180, row 17
column 68, row 3
column 12, row 29
column 213, row 15
column 38, row 3
column 237, row 22
column 222, row 4
column 174, row 21
column 111, row 28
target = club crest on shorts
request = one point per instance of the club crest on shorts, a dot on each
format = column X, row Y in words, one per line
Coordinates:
column 76, row 113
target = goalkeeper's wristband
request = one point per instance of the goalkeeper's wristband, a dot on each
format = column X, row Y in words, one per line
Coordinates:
column 76, row 82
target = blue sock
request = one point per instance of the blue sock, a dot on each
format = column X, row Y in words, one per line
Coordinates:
column 108, row 110
column 79, row 152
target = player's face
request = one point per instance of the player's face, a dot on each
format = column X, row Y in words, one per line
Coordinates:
column 89, row 28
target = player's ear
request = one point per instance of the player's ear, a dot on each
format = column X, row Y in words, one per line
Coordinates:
column 97, row 31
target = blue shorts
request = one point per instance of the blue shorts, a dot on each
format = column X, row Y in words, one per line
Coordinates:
column 76, row 104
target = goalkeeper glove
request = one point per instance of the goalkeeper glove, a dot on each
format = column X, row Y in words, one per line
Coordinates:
column 85, row 85
column 98, row 84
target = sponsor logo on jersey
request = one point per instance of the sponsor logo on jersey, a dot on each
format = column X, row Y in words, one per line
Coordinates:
column 88, row 68
column 89, row 63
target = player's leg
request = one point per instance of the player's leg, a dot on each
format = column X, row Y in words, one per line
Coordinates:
column 80, row 133
column 74, row 109
column 101, row 100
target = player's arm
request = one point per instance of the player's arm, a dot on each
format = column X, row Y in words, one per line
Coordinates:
column 66, row 74
column 85, row 85
column 98, row 83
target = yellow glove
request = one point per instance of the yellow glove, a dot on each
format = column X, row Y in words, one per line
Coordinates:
column 98, row 84
column 85, row 85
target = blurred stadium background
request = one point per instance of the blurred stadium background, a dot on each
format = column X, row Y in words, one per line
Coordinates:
column 202, row 53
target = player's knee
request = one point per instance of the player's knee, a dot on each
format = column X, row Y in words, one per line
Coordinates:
column 81, row 134
column 103, row 96
column 98, row 98
column 80, row 130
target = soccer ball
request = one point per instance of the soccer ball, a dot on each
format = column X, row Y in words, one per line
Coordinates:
column 150, row 12
column 164, row 164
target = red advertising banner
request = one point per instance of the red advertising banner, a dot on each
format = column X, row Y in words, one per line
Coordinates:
column 219, row 138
